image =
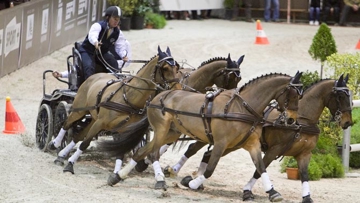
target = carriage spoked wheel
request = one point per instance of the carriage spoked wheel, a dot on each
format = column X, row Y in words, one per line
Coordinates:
column 44, row 127
column 61, row 113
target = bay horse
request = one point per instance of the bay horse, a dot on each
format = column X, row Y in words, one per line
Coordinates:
column 237, row 111
column 284, row 141
column 220, row 71
column 114, row 104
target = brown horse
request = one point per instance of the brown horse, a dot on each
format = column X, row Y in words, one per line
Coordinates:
column 114, row 104
column 277, row 142
column 238, row 112
column 219, row 71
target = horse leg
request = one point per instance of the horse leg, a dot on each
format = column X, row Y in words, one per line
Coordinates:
column 267, row 159
column 73, row 117
column 92, row 132
column 255, row 153
column 192, row 149
column 216, row 153
column 114, row 177
column 303, row 161
column 64, row 152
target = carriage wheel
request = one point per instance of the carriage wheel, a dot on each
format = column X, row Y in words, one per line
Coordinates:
column 44, row 127
column 61, row 114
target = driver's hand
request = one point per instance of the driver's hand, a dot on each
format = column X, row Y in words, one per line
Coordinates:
column 125, row 59
column 97, row 45
column 56, row 74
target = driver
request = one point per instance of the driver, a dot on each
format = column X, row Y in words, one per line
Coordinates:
column 104, row 38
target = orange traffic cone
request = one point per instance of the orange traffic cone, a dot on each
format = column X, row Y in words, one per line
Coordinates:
column 260, row 34
column 13, row 124
column 358, row 45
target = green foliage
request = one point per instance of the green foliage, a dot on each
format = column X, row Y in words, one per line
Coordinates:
column 354, row 161
column 314, row 170
column 308, row 78
column 156, row 20
column 323, row 44
column 126, row 6
column 331, row 165
column 142, row 7
column 346, row 64
column 288, row 162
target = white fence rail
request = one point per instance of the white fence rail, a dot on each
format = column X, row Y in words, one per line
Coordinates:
column 346, row 147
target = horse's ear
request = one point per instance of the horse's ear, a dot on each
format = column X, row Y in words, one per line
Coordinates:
column 297, row 77
column 168, row 51
column 340, row 81
column 228, row 60
column 346, row 78
column 159, row 50
column 240, row 59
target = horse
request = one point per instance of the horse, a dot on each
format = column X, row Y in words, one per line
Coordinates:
column 114, row 104
column 238, row 111
column 219, row 71
column 283, row 141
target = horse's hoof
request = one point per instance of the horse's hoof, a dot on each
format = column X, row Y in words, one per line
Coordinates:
column 59, row 161
column 69, row 168
column 169, row 172
column 185, row 181
column 141, row 166
column 307, row 199
column 113, row 179
column 274, row 196
column 160, row 185
column 51, row 146
column 248, row 196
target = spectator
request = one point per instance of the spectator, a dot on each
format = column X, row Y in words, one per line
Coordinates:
column 276, row 10
column 331, row 7
column 349, row 4
column 247, row 5
column 314, row 12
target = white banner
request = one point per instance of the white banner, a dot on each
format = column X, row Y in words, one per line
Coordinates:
column 185, row 5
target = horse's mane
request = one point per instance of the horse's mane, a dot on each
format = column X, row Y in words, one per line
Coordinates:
column 211, row 60
column 314, row 83
column 261, row 77
column 146, row 63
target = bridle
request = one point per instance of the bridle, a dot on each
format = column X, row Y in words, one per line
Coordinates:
column 226, row 72
column 336, row 92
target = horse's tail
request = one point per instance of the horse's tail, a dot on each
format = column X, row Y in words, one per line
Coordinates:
column 127, row 140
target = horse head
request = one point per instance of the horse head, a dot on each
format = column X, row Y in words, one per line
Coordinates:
column 231, row 74
column 166, row 70
column 339, row 102
column 288, row 100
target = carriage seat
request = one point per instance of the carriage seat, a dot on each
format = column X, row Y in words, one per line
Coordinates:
column 77, row 67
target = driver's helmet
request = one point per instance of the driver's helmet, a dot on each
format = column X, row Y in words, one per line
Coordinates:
column 113, row 11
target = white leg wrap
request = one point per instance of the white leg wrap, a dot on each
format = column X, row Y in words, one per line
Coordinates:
column 163, row 149
column 305, row 188
column 202, row 168
column 194, row 184
column 159, row 175
column 126, row 170
column 250, row 184
column 64, row 152
column 75, row 156
column 266, row 181
column 118, row 164
column 180, row 164
column 59, row 138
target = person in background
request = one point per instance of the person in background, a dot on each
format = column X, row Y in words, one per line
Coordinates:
column 276, row 10
column 331, row 7
column 348, row 5
column 247, row 5
column 314, row 12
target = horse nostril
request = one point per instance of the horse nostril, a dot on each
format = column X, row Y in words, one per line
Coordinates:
column 290, row 121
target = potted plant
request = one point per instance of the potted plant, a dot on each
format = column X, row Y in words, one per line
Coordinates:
column 154, row 20
column 289, row 165
column 127, row 9
column 138, row 17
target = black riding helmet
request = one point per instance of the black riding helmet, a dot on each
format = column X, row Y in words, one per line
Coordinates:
column 113, row 11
